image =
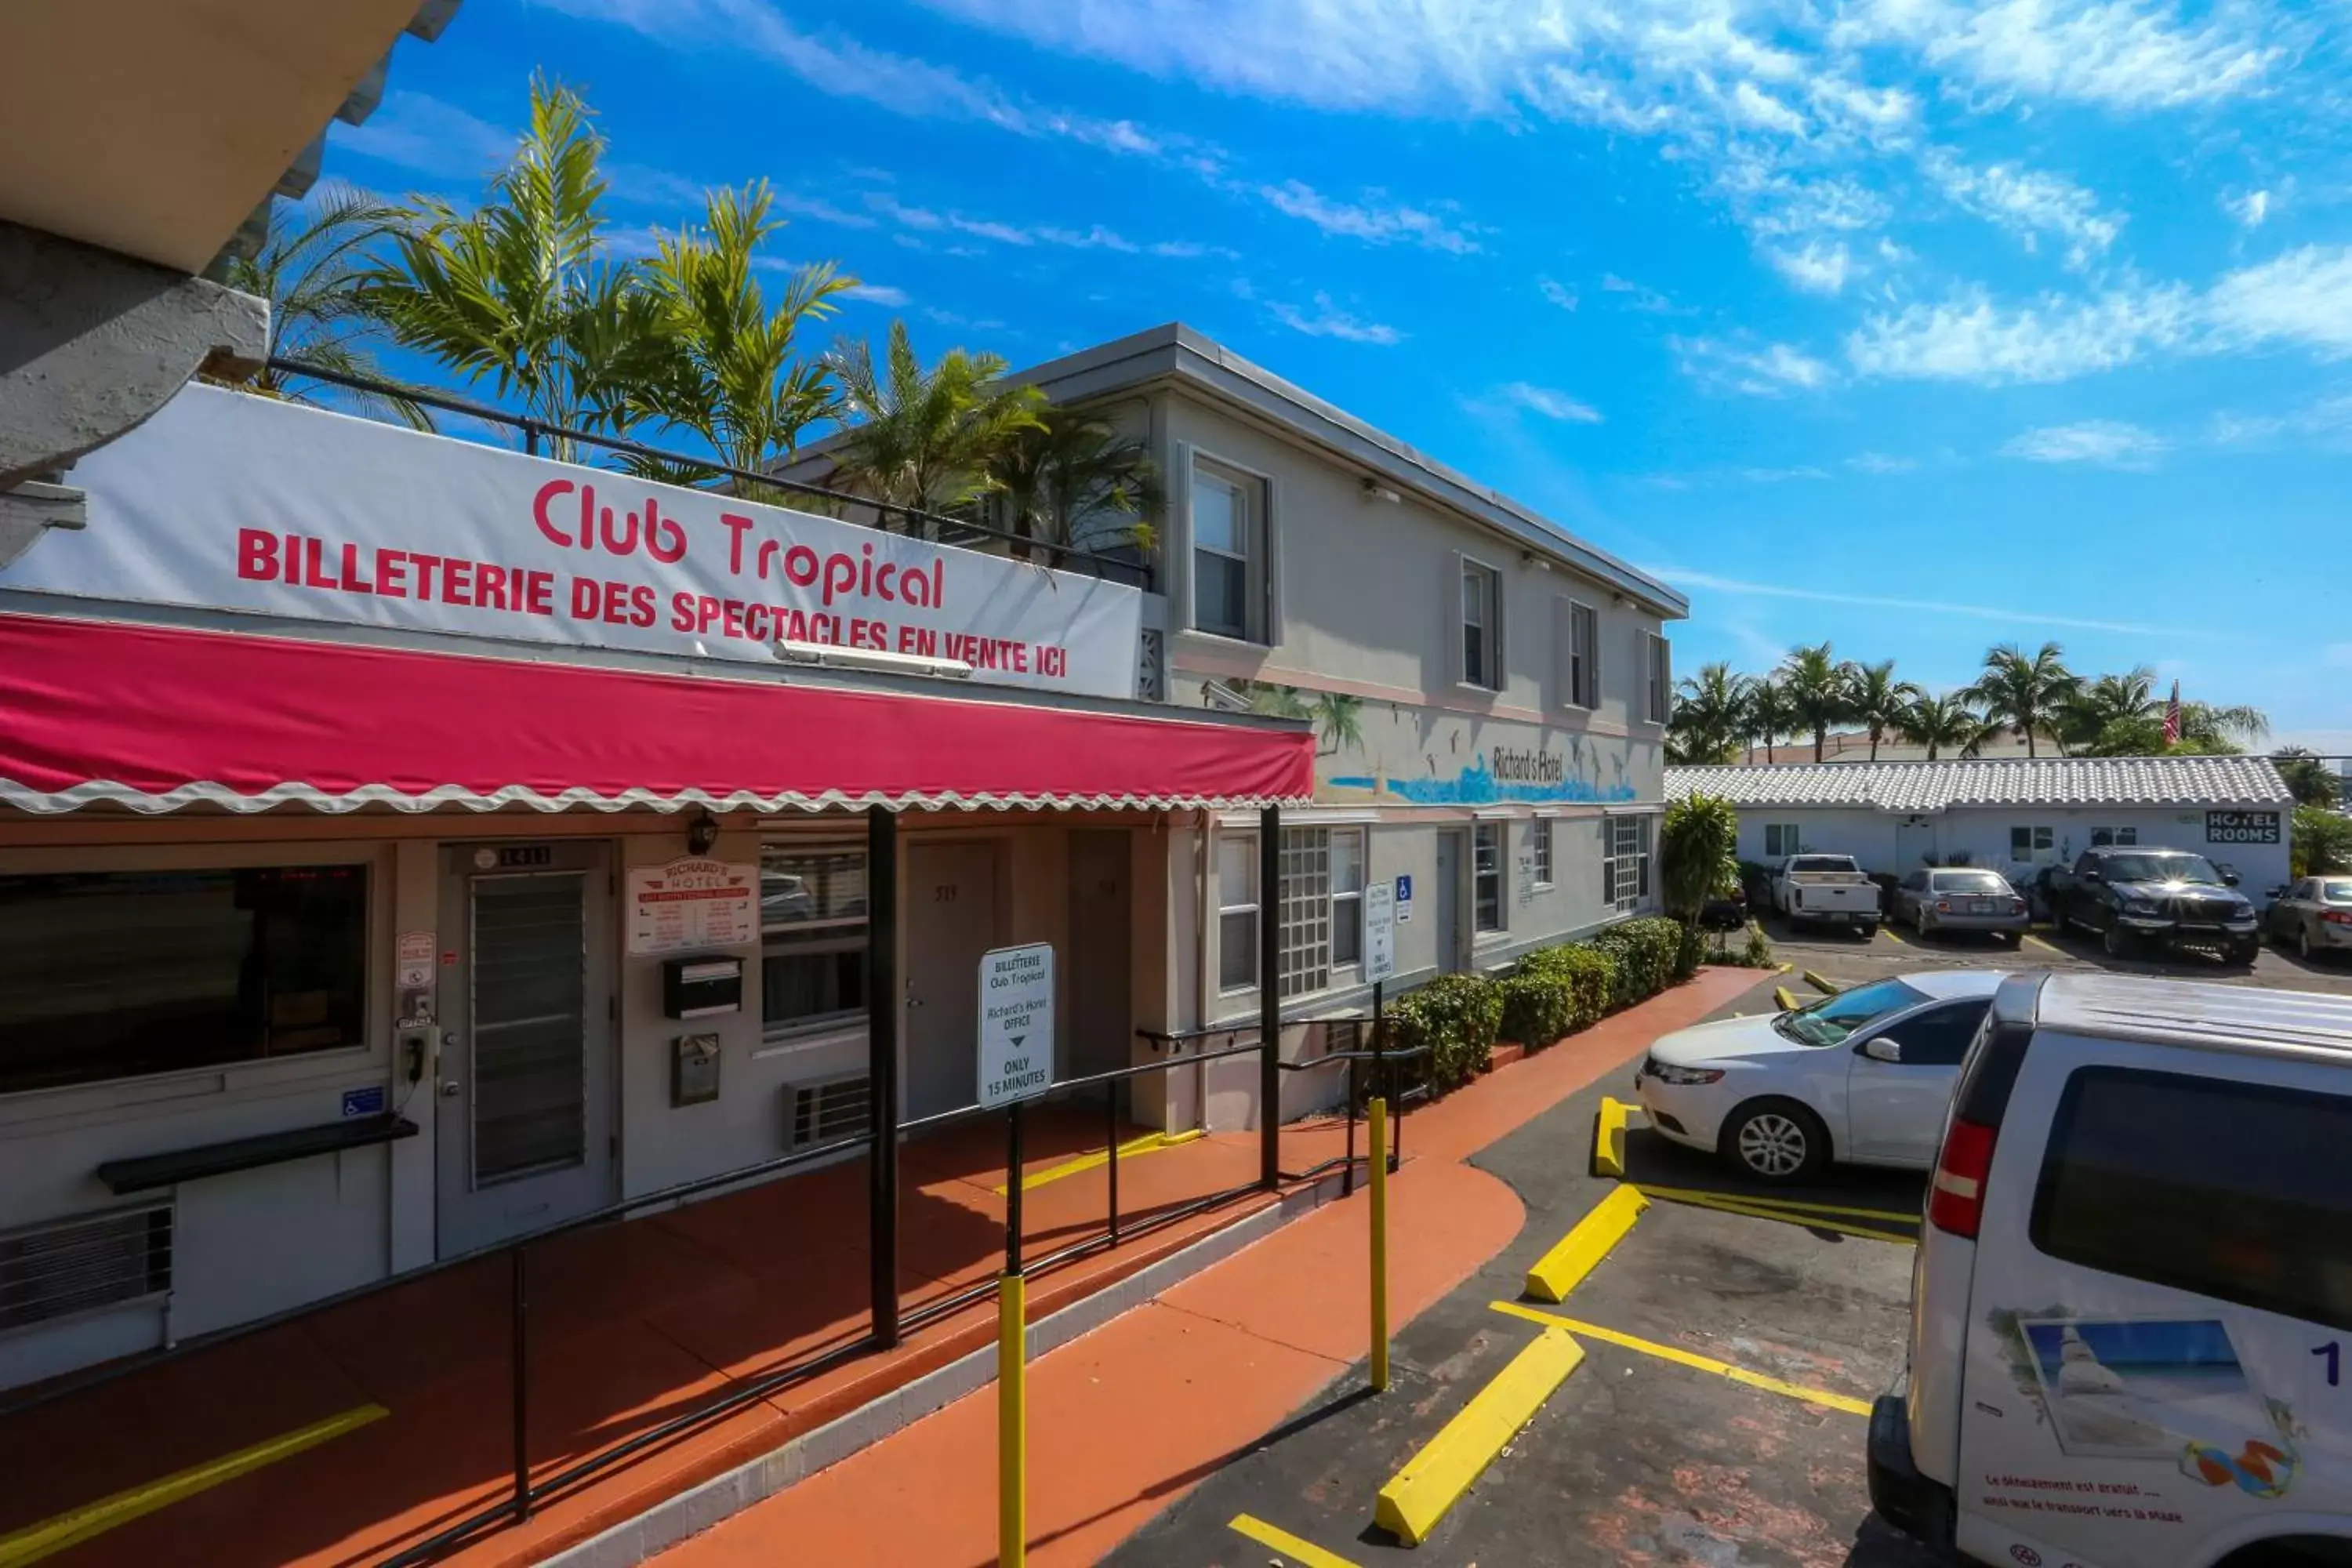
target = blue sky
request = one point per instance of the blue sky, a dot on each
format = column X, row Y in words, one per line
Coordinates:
column 1909, row 324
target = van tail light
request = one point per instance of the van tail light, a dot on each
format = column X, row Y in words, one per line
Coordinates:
column 1955, row 1201
column 1943, row 906
column 2017, row 906
column 2336, row 916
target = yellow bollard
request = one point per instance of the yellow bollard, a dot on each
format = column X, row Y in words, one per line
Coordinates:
column 1377, row 1112
column 1012, row 1422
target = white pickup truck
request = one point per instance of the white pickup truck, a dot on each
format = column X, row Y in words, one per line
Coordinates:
column 1829, row 889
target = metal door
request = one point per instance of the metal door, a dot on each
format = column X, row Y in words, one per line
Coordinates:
column 1447, row 895
column 524, row 1100
column 1101, row 1027
column 950, row 905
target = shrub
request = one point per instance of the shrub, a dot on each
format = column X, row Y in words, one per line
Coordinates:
column 1697, row 854
column 2321, row 842
column 1591, row 976
column 1645, row 952
column 1690, row 952
column 1538, row 1007
column 1759, row 948
column 1457, row 1015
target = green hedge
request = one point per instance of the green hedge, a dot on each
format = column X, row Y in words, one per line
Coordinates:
column 1457, row 1016
column 1591, row 975
column 1647, row 951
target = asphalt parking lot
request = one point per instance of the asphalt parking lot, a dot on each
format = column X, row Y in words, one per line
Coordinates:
column 1717, row 1419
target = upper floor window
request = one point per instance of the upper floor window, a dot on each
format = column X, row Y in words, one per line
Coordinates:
column 1228, row 553
column 1658, row 678
column 1482, row 626
column 1580, row 676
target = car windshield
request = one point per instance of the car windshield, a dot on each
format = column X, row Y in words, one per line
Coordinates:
column 2336, row 892
column 1832, row 1018
column 1821, row 863
column 2162, row 869
column 1968, row 882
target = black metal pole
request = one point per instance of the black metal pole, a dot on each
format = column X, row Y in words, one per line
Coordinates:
column 1383, row 1074
column 1269, row 996
column 1347, row 1168
column 1012, row 1185
column 1110, row 1131
column 882, row 1012
column 519, row 1285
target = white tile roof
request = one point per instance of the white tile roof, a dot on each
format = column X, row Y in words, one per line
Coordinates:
column 2047, row 781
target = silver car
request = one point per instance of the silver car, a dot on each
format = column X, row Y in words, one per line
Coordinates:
column 1961, row 897
column 2314, row 916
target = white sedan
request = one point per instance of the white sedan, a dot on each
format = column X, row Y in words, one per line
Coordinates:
column 1863, row 1077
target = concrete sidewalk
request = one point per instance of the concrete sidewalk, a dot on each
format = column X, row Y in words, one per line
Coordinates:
column 1128, row 1419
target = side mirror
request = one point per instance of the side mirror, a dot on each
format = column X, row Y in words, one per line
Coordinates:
column 2229, row 879
column 2277, row 892
column 2094, row 876
column 1882, row 1048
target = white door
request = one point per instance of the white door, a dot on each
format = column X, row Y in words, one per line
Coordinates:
column 951, row 906
column 1895, row 1111
column 524, row 1124
column 1446, row 898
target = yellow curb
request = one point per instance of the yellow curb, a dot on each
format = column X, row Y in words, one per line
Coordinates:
column 1786, row 998
column 1740, row 1374
column 2045, row 946
column 1826, row 987
column 1305, row 1553
column 1433, row 1480
column 1754, row 1199
column 1792, row 1216
column 1150, row 1143
column 1889, row 933
column 1609, row 1137
column 1563, row 1269
column 1782, row 968
column 50, row 1536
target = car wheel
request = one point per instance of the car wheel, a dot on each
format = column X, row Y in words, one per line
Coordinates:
column 2012, row 939
column 1777, row 1141
column 2302, row 944
column 2118, row 942
column 2245, row 953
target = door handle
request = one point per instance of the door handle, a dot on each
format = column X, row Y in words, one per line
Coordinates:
column 912, row 1000
column 449, row 1087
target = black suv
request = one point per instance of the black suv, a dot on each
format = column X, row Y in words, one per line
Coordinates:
column 2165, row 898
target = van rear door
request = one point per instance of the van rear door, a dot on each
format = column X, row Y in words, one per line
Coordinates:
column 2161, row 1304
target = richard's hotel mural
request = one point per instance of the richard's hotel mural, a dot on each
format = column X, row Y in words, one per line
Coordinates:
column 1392, row 753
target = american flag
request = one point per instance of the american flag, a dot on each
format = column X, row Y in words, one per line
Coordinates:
column 2172, row 717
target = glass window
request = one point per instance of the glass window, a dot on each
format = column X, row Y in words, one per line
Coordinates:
column 114, row 974
column 1306, row 910
column 2260, row 1216
column 2031, row 843
column 1539, row 849
column 1625, row 862
column 813, row 937
column 1347, row 896
column 1832, row 1018
column 1940, row 1037
column 1780, row 840
column 1224, row 545
column 1583, row 656
column 1978, row 882
column 2335, row 890
column 1481, row 645
column 1236, row 911
column 2100, row 835
column 1486, row 875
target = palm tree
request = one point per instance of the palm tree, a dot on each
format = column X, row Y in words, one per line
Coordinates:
column 1875, row 698
column 1815, row 685
column 1073, row 473
column 2312, row 782
column 1710, row 716
column 309, row 272
column 2026, row 693
column 1936, row 723
column 2218, row 728
column 2109, row 699
column 1769, row 713
column 1338, row 721
column 925, row 437
column 519, row 290
column 735, row 379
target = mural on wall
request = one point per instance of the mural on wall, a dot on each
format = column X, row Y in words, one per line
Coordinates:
column 1389, row 753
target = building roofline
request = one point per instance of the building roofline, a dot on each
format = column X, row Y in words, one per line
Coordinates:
column 1174, row 352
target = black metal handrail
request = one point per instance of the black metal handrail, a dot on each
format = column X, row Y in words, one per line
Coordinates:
column 534, row 429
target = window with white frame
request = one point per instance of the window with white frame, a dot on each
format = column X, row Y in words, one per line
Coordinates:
column 1236, row 911
column 1579, row 631
column 1482, row 626
column 1348, row 876
column 1486, row 901
column 2100, row 835
column 1228, row 552
column 1780, row 839
column 1322, row 906
column 1539, row 849
column 1658, row 678
column 1625, row 865
column 2028, row 844
column 812, row 936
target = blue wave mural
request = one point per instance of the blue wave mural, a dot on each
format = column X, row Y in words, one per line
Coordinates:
column 1477, row 785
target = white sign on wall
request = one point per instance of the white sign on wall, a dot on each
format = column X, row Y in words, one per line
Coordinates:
column 234, row 502
column 1016, row 1023
column 1380, row 931
column 693, row 902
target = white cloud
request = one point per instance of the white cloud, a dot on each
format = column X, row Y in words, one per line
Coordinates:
column 1780, row 476
column 1327, row 321
column 1818, row 268
column 2120, row 54
column 1638, row 297
column 1559, row 293
column 1548, row 403
column 876, row 294
column 1373, row 219
column 925, row 220
column 1753, row 106
column 2302, row 297
column 1880, row 463
column 1971, row 339
column 1770, row 369
column 2107, row 442
column 2027, row 203
column 2327, row 424
column 416, row 131
column 2249, row 208
column 2026, row 617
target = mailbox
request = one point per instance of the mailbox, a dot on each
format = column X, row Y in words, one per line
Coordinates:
column 701, row 987
column 694, row 1069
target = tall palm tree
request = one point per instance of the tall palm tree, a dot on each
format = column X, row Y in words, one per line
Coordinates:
column 1946, row 721
column 308, row 270
column 2027, row 693
column 1073, row 473
column 736, row 378
column 519, row 290
column 1815, row 685
column 1876, row 698
column 2215, row 726
column 1338, row 721
column 1770, row 715
column 924, row 436
column 1710, row 716
column 2108, row 699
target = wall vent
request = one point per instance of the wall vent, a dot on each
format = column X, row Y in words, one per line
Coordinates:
column 62, row 1268
column 829, row 1112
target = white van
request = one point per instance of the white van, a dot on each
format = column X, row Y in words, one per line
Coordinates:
column 2131, row 1312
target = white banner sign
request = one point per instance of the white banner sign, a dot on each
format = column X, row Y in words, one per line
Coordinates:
column 693, row 902
column 1016, row 1023
column 1380, row 931
column 234, row 502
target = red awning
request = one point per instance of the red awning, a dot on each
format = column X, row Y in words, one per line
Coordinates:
column 157, row 718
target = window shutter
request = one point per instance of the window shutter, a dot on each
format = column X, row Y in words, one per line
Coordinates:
column 1179, row 539
column 1452, row 620
column 1563, row 655
column 1270, row 557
